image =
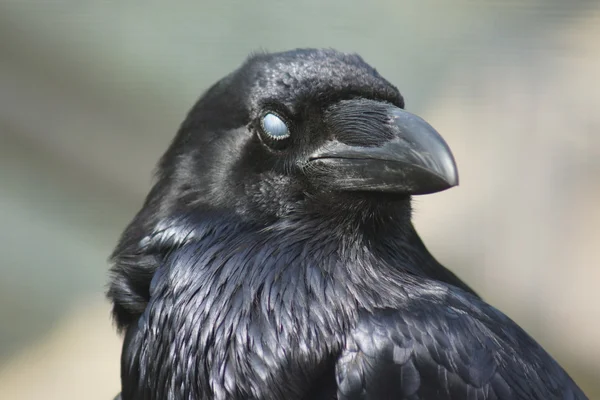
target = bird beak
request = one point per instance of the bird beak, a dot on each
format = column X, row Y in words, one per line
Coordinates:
column 377, row 147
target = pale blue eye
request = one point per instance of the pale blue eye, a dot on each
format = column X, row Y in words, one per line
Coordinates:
column 275, row 127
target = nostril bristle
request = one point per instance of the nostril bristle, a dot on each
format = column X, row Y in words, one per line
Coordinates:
column 361, row 122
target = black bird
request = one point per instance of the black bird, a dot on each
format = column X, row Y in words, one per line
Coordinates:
column 275, row 257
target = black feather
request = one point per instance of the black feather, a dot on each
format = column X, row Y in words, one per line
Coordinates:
column 244, row 278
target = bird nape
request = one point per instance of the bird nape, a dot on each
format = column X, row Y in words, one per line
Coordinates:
column 275, row 258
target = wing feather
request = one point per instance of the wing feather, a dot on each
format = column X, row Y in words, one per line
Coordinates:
column 449, row 347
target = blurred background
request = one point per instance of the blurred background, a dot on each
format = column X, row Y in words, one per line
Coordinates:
column 91, row 93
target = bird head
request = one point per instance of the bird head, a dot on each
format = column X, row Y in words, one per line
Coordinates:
column 298, row 130
column 285, row 138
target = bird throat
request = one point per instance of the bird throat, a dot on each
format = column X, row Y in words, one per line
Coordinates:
column 228, row 287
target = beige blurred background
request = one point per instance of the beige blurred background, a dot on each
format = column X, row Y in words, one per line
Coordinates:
column 92, row 92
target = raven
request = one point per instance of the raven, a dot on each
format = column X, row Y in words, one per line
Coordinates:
column 275, row 258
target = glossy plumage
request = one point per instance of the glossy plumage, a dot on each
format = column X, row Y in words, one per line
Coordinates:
column 288, row 268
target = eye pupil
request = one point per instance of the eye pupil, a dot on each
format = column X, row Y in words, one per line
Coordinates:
column 275, row 127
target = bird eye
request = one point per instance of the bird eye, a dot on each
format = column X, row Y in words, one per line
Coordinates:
column 275, row 127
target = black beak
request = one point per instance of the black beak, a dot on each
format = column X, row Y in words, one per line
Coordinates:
column 377, row 147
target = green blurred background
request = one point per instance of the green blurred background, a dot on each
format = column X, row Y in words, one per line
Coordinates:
column 92, row 92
